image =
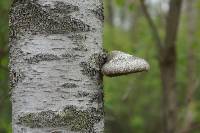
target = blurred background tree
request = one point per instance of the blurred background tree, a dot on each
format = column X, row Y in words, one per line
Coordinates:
column 135, row 103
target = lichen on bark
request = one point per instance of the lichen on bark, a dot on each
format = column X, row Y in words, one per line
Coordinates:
column 94, row 64
column 52, row 93
column 31, row 17
column 70, row 118
column 98, row 12
column 15, row 77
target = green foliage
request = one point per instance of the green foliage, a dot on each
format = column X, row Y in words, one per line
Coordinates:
column 5, row 106
column 120, row 2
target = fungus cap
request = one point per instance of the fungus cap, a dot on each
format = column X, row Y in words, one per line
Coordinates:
column 120, row 63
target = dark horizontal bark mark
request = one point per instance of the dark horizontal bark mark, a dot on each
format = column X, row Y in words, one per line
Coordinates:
column 80, row 48
column 70, row 117
column 71, row 57
column 77, row 38
column 31, row 17
column 69, row 85
column 82, row 94
column 42, row 57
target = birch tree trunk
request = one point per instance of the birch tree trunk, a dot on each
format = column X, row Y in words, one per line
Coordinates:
column 55, row 61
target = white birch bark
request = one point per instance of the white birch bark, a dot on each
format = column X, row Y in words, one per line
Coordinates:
column 55, row 61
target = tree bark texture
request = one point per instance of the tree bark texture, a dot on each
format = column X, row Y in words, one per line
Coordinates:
column 55, row 61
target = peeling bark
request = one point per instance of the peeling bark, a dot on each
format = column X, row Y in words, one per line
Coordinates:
column 55, row 63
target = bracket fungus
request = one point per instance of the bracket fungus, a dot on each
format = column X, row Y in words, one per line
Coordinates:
column 120, row 63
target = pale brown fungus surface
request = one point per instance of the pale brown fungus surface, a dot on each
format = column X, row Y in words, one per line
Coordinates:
column 120, row 63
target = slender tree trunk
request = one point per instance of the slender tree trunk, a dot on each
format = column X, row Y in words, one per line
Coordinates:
column 55, row 61
column 168, row 59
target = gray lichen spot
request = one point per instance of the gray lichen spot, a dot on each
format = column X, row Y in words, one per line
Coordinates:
column 42, row 57
column 97, row 97
column 69, row 85
column 120, row 63
column 63, row 8
column 15, row 53
column 30, row 17
column 15, row 77
column 70, row 117
column 99, row 13
column 80, row 48
column 93, row 66
column 78, row 40
column 82, row 94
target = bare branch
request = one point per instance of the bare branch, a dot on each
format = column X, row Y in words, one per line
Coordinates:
column 152, row 25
